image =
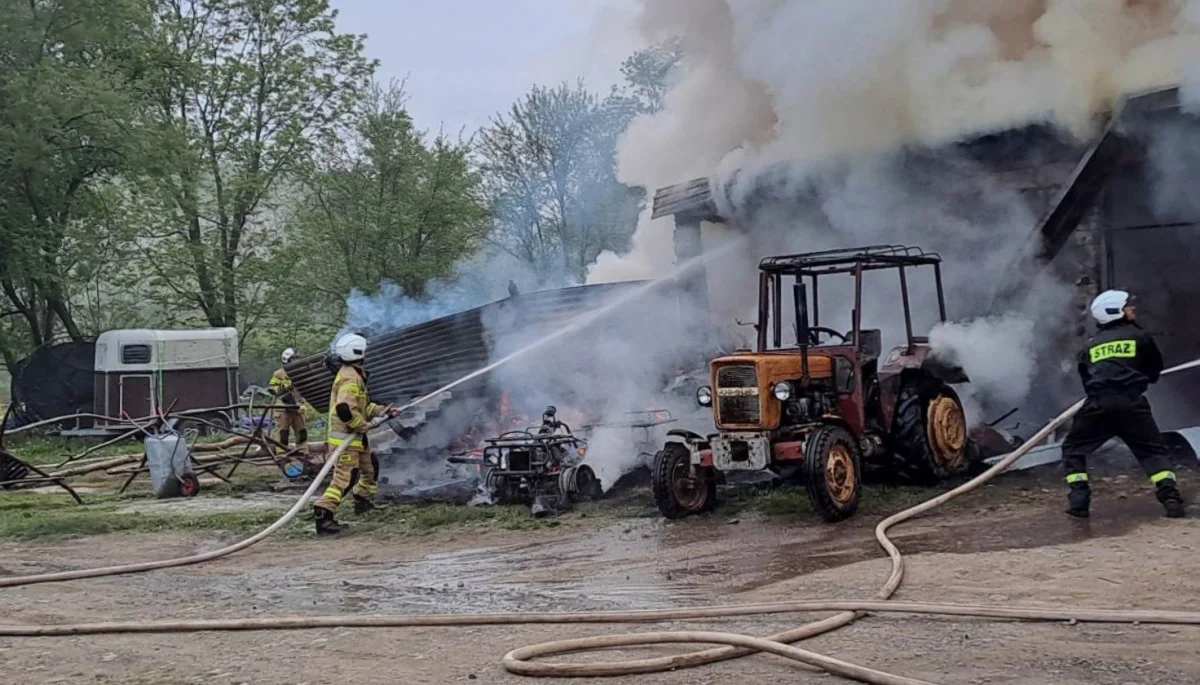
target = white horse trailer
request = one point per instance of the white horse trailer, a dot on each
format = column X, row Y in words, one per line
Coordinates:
column 142, row 372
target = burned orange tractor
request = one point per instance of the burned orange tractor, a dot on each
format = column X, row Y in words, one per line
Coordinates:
column 828, row 405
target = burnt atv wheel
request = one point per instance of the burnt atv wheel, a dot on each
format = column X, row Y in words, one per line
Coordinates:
column 833, row 473
column 929, row 433
column 679, row 489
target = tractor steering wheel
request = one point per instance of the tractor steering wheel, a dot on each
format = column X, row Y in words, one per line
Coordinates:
column 815, row 331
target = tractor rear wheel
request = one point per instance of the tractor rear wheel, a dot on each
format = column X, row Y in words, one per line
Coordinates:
column 929, row 433
column 832, row 472
column 679, row 488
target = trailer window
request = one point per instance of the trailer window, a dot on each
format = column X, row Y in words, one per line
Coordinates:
column 135, row 354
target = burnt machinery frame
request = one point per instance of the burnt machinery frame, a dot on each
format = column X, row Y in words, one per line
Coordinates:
column 542, row 467
column 847, row 261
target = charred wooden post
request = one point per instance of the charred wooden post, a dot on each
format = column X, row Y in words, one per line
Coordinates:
column 690, row 204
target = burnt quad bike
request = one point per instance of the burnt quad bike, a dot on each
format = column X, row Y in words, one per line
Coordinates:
column 541, row 467
column 827, row 407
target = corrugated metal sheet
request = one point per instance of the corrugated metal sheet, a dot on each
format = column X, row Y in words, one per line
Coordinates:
column 412, row 362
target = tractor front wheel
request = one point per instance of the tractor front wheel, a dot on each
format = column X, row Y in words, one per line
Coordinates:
column 679, row 488
column 832, row 473
column 929, row 433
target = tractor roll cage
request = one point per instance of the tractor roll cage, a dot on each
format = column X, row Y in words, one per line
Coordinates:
column 854, row 261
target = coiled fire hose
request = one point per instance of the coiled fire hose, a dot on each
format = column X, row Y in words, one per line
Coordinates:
column 519, row 661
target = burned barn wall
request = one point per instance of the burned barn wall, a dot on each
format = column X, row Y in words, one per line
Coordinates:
column 1151, row 242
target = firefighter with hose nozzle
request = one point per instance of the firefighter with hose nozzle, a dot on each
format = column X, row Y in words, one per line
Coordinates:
column 1119, row 363
column 351, row 415
column 291, row 416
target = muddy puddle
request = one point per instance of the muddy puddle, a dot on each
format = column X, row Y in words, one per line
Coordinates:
column 647, row 563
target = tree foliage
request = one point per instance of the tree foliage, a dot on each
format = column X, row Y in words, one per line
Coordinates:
column 68, row 73
column 388, row 204
column 244, row 90
column 550, row 169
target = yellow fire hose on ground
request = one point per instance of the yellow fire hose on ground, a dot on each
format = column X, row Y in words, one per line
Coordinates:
column 520, row 661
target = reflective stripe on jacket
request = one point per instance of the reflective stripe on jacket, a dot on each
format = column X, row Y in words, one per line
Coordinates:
column 1121, row 360
column 350, row 389
column 281, row 386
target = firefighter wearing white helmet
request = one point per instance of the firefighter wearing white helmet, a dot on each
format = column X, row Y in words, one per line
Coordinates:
column 289, row 417
column 1117, row 366
column 350, row 415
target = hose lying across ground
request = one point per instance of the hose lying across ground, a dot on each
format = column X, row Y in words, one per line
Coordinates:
column 520, row 661
column 185, row 561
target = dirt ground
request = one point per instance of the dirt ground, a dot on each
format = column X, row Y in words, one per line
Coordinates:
column 1006, row 544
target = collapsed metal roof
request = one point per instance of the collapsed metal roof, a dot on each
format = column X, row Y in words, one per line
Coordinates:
column 412, row 362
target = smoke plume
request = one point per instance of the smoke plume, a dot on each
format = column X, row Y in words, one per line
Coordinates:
column 807, row 81
column 834, row 123
column 476, row 281
column 1001, row 375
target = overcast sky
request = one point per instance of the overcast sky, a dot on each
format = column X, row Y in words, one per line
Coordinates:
column 467, row 59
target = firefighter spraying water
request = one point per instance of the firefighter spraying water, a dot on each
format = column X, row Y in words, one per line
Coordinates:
column 1117, row 366
column 351, row 415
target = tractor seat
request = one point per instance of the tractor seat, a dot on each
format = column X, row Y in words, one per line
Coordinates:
column 872, row 343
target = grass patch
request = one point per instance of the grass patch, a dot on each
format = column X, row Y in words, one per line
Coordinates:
column 423, row 519
column 27, row 516
column 41, row 450
column 793, row 500
column 47, row 450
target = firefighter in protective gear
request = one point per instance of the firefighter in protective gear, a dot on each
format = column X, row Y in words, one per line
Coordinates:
column 350, row 417
column 1119, row 363
column 291, row 416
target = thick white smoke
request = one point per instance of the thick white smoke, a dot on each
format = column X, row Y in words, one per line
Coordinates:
column 803, row 112
column 806, row 81
column 1003, row 371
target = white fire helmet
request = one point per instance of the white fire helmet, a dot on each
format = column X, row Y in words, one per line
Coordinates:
column 350, row 347
column 288, row 355
column 1109, row 306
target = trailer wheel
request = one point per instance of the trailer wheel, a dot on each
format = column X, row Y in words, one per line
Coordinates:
column 679, row 489
column 929, row 433
column 189, row 485
column 832, row 473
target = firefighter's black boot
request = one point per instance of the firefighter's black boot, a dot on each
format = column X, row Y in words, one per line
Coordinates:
column 326, row 525
column 1172, row 501
column 1079, row 500
column 363, row 506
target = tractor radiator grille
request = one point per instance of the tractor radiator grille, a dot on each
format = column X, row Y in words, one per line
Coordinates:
column 738, row 409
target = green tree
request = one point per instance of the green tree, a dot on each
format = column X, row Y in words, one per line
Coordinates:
column 386, row 204
column 549, row 166
column 68, row 99
column 550, row 178
column 244, row 91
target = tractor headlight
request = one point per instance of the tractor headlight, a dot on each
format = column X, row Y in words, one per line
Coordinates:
column 783, row 391
column 704, row 396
